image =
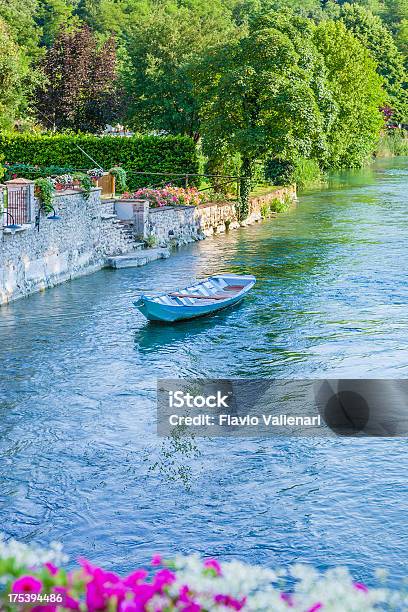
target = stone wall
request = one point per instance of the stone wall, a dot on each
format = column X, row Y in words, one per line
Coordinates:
column 87, row 232
column 183, row 224
column 179, row 225
column 31, row 260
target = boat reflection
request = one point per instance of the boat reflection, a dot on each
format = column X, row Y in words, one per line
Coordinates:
column 152, row 337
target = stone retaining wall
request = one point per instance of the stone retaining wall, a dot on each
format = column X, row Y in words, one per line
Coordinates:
column 182, row 224
column 87, row 232
column 32, row 260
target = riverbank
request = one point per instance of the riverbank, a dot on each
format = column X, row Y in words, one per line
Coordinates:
column 85, row 236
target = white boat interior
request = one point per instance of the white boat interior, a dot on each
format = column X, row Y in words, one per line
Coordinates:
column 208, row 291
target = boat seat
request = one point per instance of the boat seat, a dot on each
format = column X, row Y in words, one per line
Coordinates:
column 233, row 287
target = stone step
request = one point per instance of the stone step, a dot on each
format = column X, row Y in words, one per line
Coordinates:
column 137, row 259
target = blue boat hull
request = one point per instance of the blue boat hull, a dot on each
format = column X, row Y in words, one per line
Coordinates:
column 171, row 314
column 155, row 310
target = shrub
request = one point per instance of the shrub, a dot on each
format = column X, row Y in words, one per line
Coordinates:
column 29, row 171
column 169, row 154
column 279, row 171
column 302, row 172
column 120, row 178
column 395, row 142
column 44, row 189
column 85, row 182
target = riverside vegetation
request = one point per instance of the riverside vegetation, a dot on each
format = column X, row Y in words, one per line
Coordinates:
column 294, row 87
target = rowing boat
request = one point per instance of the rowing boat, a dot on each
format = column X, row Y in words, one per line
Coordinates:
column 198, row 300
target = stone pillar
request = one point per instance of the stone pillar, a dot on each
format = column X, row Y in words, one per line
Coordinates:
column 141, row 218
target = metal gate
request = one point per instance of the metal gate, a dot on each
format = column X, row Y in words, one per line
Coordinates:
column 18, row 204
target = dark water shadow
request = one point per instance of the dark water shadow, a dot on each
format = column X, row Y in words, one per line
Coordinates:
column 154, row 335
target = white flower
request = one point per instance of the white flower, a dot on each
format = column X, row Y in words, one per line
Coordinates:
column 31, row 556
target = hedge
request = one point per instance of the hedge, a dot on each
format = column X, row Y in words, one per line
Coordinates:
column 170, row 154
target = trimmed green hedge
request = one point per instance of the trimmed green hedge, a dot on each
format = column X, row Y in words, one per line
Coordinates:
column 173, row 154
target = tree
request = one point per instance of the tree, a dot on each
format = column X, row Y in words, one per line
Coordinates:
column 162, row 52
column 19, row 15
column 107, row 16
column 54, row 15
column 259, row 101
column 376, row 37
column 402, row 41
column 15, row 81
column 354, row 120
column 81, row 91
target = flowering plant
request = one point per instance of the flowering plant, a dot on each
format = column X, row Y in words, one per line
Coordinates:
column 62, row 179
column 187, row 584
column 95, row 173
column 169, row 195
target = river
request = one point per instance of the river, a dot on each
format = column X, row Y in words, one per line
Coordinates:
column 79, row 459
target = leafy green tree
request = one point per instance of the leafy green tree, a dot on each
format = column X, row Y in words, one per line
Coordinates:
column 242, row 10
column 20, row 17
column 259, row 101
column 354, row 120
column 402, row 41
column 159, row 70
column 54, row 15
column 14, row 78
column 80, row 92
column 376, row 37
column 393, row 12
column 107, row 16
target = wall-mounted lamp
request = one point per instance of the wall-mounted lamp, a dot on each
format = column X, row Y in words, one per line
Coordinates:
column 53, row 217
column 11, row 226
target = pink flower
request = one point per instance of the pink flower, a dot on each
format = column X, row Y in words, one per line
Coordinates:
column 135, row 578
column 129, row 605
column 192, row 607
column 53, row 569
column 101, row 587
column 27, row 584
column 143, row 594
column 157, row 560
column 317, row 606
column 163, row 578
column 287, row 598
column 184, row 594
column 68, row 601
column 213, row 564
column 230, row 602
column 361, row 587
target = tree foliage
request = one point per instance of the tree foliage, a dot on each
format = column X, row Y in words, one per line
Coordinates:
column 162, row 53
column 81, row 76
column 355, row 120
column 375, row 36
column 284, row 80
column 15, row 81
